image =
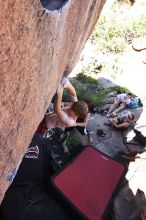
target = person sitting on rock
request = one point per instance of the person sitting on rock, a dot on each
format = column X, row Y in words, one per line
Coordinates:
column 121, row 101
column 122, row 121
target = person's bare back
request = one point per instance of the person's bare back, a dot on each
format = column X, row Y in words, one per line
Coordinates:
column 65, row 117
column 52, row 120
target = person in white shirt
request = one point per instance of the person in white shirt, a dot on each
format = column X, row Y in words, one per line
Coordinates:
column 121, row 101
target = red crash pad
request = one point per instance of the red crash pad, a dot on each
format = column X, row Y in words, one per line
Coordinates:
column 89, row 182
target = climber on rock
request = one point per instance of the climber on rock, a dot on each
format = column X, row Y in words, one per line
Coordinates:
column 65, row 116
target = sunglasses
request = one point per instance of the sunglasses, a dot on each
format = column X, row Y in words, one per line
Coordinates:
column 129, row 117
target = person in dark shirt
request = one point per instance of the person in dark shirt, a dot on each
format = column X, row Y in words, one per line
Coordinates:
column 122, row 121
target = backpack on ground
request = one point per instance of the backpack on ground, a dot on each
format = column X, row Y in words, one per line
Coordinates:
column 133, row 103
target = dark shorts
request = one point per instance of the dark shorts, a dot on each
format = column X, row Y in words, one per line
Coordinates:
column 82, row 130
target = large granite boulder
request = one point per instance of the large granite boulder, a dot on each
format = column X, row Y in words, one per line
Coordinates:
column 37, row 46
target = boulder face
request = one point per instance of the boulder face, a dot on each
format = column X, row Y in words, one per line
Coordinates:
column 37, row 46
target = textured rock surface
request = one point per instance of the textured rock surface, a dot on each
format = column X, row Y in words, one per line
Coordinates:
column 36, row 47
